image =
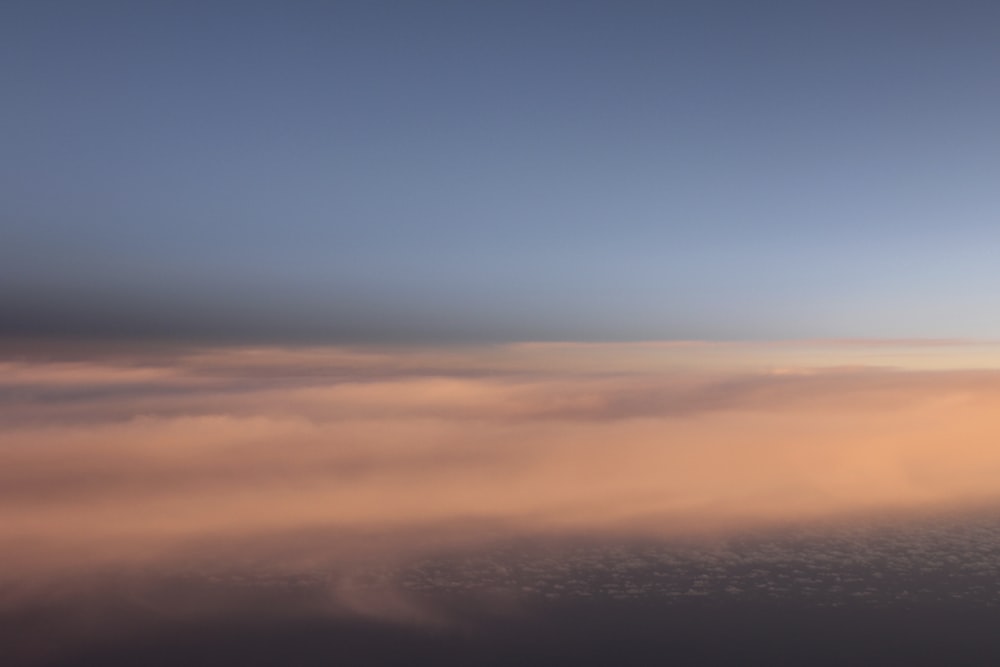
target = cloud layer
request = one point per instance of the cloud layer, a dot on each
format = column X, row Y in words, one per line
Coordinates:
column 130, row 455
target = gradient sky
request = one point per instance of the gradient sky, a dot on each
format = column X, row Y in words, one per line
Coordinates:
column 448, row 171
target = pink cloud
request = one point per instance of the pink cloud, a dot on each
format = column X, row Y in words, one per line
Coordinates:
column 107, row 460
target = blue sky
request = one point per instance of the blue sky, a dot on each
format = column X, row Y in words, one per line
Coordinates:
column 448, row 171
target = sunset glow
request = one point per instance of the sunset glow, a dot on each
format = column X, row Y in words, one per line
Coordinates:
column 123, row 457
column 510, row 333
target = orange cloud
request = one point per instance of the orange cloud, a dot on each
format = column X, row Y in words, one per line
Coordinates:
column 122, row 458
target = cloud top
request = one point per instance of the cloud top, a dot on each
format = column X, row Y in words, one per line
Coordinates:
column 129, row 455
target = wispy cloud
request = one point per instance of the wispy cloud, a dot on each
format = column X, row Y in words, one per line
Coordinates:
column 123, row 457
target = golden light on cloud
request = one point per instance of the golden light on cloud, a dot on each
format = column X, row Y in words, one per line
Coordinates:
column 119, row 457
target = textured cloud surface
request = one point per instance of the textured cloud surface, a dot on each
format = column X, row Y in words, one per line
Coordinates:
column 130, row 455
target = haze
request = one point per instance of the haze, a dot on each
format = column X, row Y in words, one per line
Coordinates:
column 361, row 305
column 114, row 456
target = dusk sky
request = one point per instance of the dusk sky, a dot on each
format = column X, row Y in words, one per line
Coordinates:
column 453, row 171
column 331, row 326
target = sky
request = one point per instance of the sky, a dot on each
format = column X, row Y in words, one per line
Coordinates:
column 453, row 172
column 297, row 289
